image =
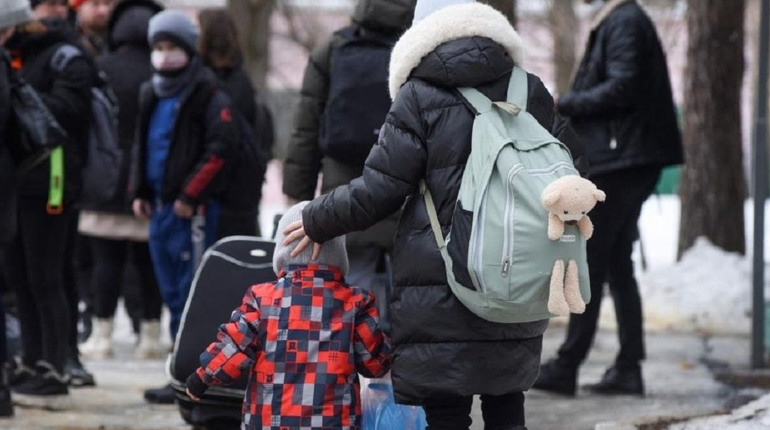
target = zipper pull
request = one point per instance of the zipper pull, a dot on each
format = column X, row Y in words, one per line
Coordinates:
column 506, row 266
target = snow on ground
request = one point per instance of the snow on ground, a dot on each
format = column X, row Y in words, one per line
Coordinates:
column 752, row 416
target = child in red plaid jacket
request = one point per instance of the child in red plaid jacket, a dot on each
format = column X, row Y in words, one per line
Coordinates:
column 304, row 338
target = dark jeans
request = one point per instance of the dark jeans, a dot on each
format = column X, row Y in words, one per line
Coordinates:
column 454, row 413
column 34, row 266
column 370, row 269
column 111, row 259
column 609, row 260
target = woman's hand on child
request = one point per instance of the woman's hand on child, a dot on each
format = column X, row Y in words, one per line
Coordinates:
column 296, row 231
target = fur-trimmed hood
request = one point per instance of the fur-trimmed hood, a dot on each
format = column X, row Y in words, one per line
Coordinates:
column 448, row 24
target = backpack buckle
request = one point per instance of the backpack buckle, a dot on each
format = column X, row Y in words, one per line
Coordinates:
column 508, row 107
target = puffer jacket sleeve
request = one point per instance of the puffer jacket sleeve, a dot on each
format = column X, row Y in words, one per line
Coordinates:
column 372, row 346
column 541, row 105
column 392, row 172
column 237, row 345
column 622, row 38
column 303, row 157
column 221, row 144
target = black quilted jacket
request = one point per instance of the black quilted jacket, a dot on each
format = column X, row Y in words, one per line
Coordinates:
column 439, row 346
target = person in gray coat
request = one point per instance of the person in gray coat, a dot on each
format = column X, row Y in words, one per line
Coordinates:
column 443, row 354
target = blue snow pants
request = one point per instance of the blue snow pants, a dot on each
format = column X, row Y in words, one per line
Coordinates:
column 174, row 254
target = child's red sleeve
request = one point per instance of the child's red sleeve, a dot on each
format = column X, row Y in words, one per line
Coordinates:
column 371, row 345
column 237, row 345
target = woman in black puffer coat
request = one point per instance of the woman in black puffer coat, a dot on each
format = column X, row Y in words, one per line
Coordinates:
column 443, row 353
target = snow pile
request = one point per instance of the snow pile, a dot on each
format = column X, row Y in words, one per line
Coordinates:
column 708, row 291
column 753, row 416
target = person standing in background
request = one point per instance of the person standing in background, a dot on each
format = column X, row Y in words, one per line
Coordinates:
column 91, row 23
column 221, row 51
column 622, row 107
column 343, row 103
column 117, row 239
column 187, row 137
column 35, row 262
column 12, row 14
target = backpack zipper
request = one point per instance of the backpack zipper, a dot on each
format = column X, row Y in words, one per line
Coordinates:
column 510, row 205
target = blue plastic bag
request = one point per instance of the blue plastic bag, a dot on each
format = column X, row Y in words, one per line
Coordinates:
column 380, row 411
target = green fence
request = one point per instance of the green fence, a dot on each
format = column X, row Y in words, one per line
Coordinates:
column 669, row 180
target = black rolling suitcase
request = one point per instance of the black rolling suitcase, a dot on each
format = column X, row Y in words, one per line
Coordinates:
column 227, row 270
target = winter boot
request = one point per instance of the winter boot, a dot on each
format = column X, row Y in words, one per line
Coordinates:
column 99, row 345
column 149, row 340
column 557, row 378
column 18, row 372
column 620, row 380
column 78, row 375
column 47, row 390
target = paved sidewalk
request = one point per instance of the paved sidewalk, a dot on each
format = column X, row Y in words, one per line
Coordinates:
column 678, row 384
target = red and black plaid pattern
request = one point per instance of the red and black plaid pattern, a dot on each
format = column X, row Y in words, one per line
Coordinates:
column 304, row 338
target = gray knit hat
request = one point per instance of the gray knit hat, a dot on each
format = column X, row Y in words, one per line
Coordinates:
column 427, row 7
column 14, row 12
column 175, row 26
column 333, row 251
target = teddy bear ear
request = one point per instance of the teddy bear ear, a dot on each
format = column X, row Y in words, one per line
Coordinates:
column 599, row 195
column 550, row 198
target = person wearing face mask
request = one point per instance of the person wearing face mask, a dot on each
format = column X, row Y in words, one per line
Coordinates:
column 187, row 136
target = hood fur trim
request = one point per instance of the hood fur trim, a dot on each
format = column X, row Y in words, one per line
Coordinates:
column 447, row 24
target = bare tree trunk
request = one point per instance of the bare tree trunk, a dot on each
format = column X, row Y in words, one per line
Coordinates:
column 507, row 7
column 253, row 20
column 563, row 23
column 713, row 188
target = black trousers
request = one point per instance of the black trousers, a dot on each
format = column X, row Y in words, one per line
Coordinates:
column 34, row 266
column 111, row 259
column 609, row 261
column 454, row 412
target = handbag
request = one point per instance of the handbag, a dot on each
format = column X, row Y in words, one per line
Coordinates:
column 39, row 131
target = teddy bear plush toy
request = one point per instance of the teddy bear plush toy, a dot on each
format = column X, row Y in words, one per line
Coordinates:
column 568, row 201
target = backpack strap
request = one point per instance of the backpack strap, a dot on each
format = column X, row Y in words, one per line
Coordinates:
column 518, row 91
column 516, row 99
column 63, row 55
column 432, row 214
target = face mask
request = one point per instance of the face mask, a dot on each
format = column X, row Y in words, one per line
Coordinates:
column 169, row 60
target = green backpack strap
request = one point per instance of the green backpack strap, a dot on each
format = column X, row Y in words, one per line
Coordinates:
column 516, row 97
column 55, row 204
column 518, row 88
column 432, row 215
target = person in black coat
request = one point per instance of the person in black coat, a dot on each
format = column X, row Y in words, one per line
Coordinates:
column 117, row 239
column 35, row 262
column 12, row 14
column 443, row 354
column 221, row 52
column 622, row 107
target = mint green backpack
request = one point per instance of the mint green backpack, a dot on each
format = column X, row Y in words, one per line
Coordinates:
column 497, row 254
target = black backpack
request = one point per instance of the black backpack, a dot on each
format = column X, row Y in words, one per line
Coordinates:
column 242, row 188
column 358, row 98
column 101, row 173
